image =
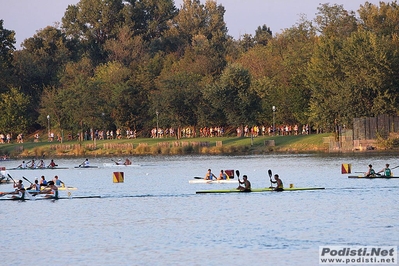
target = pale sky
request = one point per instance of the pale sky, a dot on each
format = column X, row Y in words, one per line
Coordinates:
column 25, row 17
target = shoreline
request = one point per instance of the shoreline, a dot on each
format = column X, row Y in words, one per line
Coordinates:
column 314, row 143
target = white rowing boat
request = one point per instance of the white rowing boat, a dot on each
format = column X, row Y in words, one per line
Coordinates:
column 203, row 181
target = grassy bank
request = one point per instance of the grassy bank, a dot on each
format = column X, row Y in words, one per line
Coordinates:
column 167, row 146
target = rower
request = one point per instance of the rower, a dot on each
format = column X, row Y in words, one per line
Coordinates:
column 247, row 184
column 387, row 172
column 19, row 186
column 32, row 165
column 209, row 175
column 127, row 162
column 279, row 182
column 21, row 194
column 23, row 165
column 43, row 181
column 222, row 175
column 86, row 163
column 58, row 182
column 41, row 164
column 370, row 172
column 53, row 191
column 35, row 186
column 52, row 164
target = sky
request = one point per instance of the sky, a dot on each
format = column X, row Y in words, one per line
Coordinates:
column 26, row 17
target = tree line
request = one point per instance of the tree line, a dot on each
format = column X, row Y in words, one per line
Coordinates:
column 135, row 64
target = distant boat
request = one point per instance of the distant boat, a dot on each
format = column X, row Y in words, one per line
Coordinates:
column 120, row 165
column 41, row 168
column 88, row 166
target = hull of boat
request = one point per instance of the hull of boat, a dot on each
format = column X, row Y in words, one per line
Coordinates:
column 120, row 165
column 203, row 181
column 43, row 190
column 45, row 168
column 86, row 167
column 52, row 198
column 372, row 177
column 257, row 190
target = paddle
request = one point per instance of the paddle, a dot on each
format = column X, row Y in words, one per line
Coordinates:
column 81, row 163
column 11, row 178
column 270, row 177
column 27, row 180
column 238, row 176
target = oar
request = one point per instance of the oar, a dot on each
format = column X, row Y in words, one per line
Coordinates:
column 27, row 180
column 395, row 167
column 11, row 178
column 198, row 177
column 238, row 176
column 81, row 164
column 270, row 177
column 26, row 164
column 29, row 188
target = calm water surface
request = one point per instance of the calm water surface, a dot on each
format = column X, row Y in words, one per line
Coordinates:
column 155, row 217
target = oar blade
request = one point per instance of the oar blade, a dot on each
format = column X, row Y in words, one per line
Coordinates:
column 11, row 178
column 270, row 173
column 27, row 179
column 238, row 173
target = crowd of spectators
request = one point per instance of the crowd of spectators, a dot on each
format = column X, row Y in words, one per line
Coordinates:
column 185, row 132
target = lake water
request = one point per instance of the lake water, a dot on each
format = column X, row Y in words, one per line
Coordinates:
column 156, row 218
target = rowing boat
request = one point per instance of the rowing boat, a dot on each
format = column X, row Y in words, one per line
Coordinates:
column 372, row 177
column 43, row 190
column 52, row 198
column 43, row 168
column 120, row 165
column 89, row 166
column 203, row 181
column 59, row 188
column 6, row 181
column 257, row 190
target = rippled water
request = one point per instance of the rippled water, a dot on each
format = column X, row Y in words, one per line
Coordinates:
column 155, row 217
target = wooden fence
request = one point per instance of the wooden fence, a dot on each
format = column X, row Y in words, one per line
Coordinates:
column 367, row 128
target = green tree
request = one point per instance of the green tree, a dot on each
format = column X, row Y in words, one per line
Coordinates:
column 92, row 23
column 335, row 21
column 383, row 19
column 232, row 95
column 14, row 108
column 177, row 99
column 7, row 41
column 42, row 59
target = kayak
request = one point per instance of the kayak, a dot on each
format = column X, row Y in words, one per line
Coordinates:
column 90, row 166
column 203, row 181
column 51, row 198
column 41, row 191
column 120, row 165
column 372, row 177
column 45, row 168
column 6, row 181
column 258, row 190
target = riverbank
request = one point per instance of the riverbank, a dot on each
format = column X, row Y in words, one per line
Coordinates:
column 168, row 146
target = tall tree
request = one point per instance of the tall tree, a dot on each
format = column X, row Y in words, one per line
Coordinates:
column 383, row 20
column 335, row 21
column 43, row 57
column 14, row 107
column 232, row 95
column 92, row 22
column 7, row 41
